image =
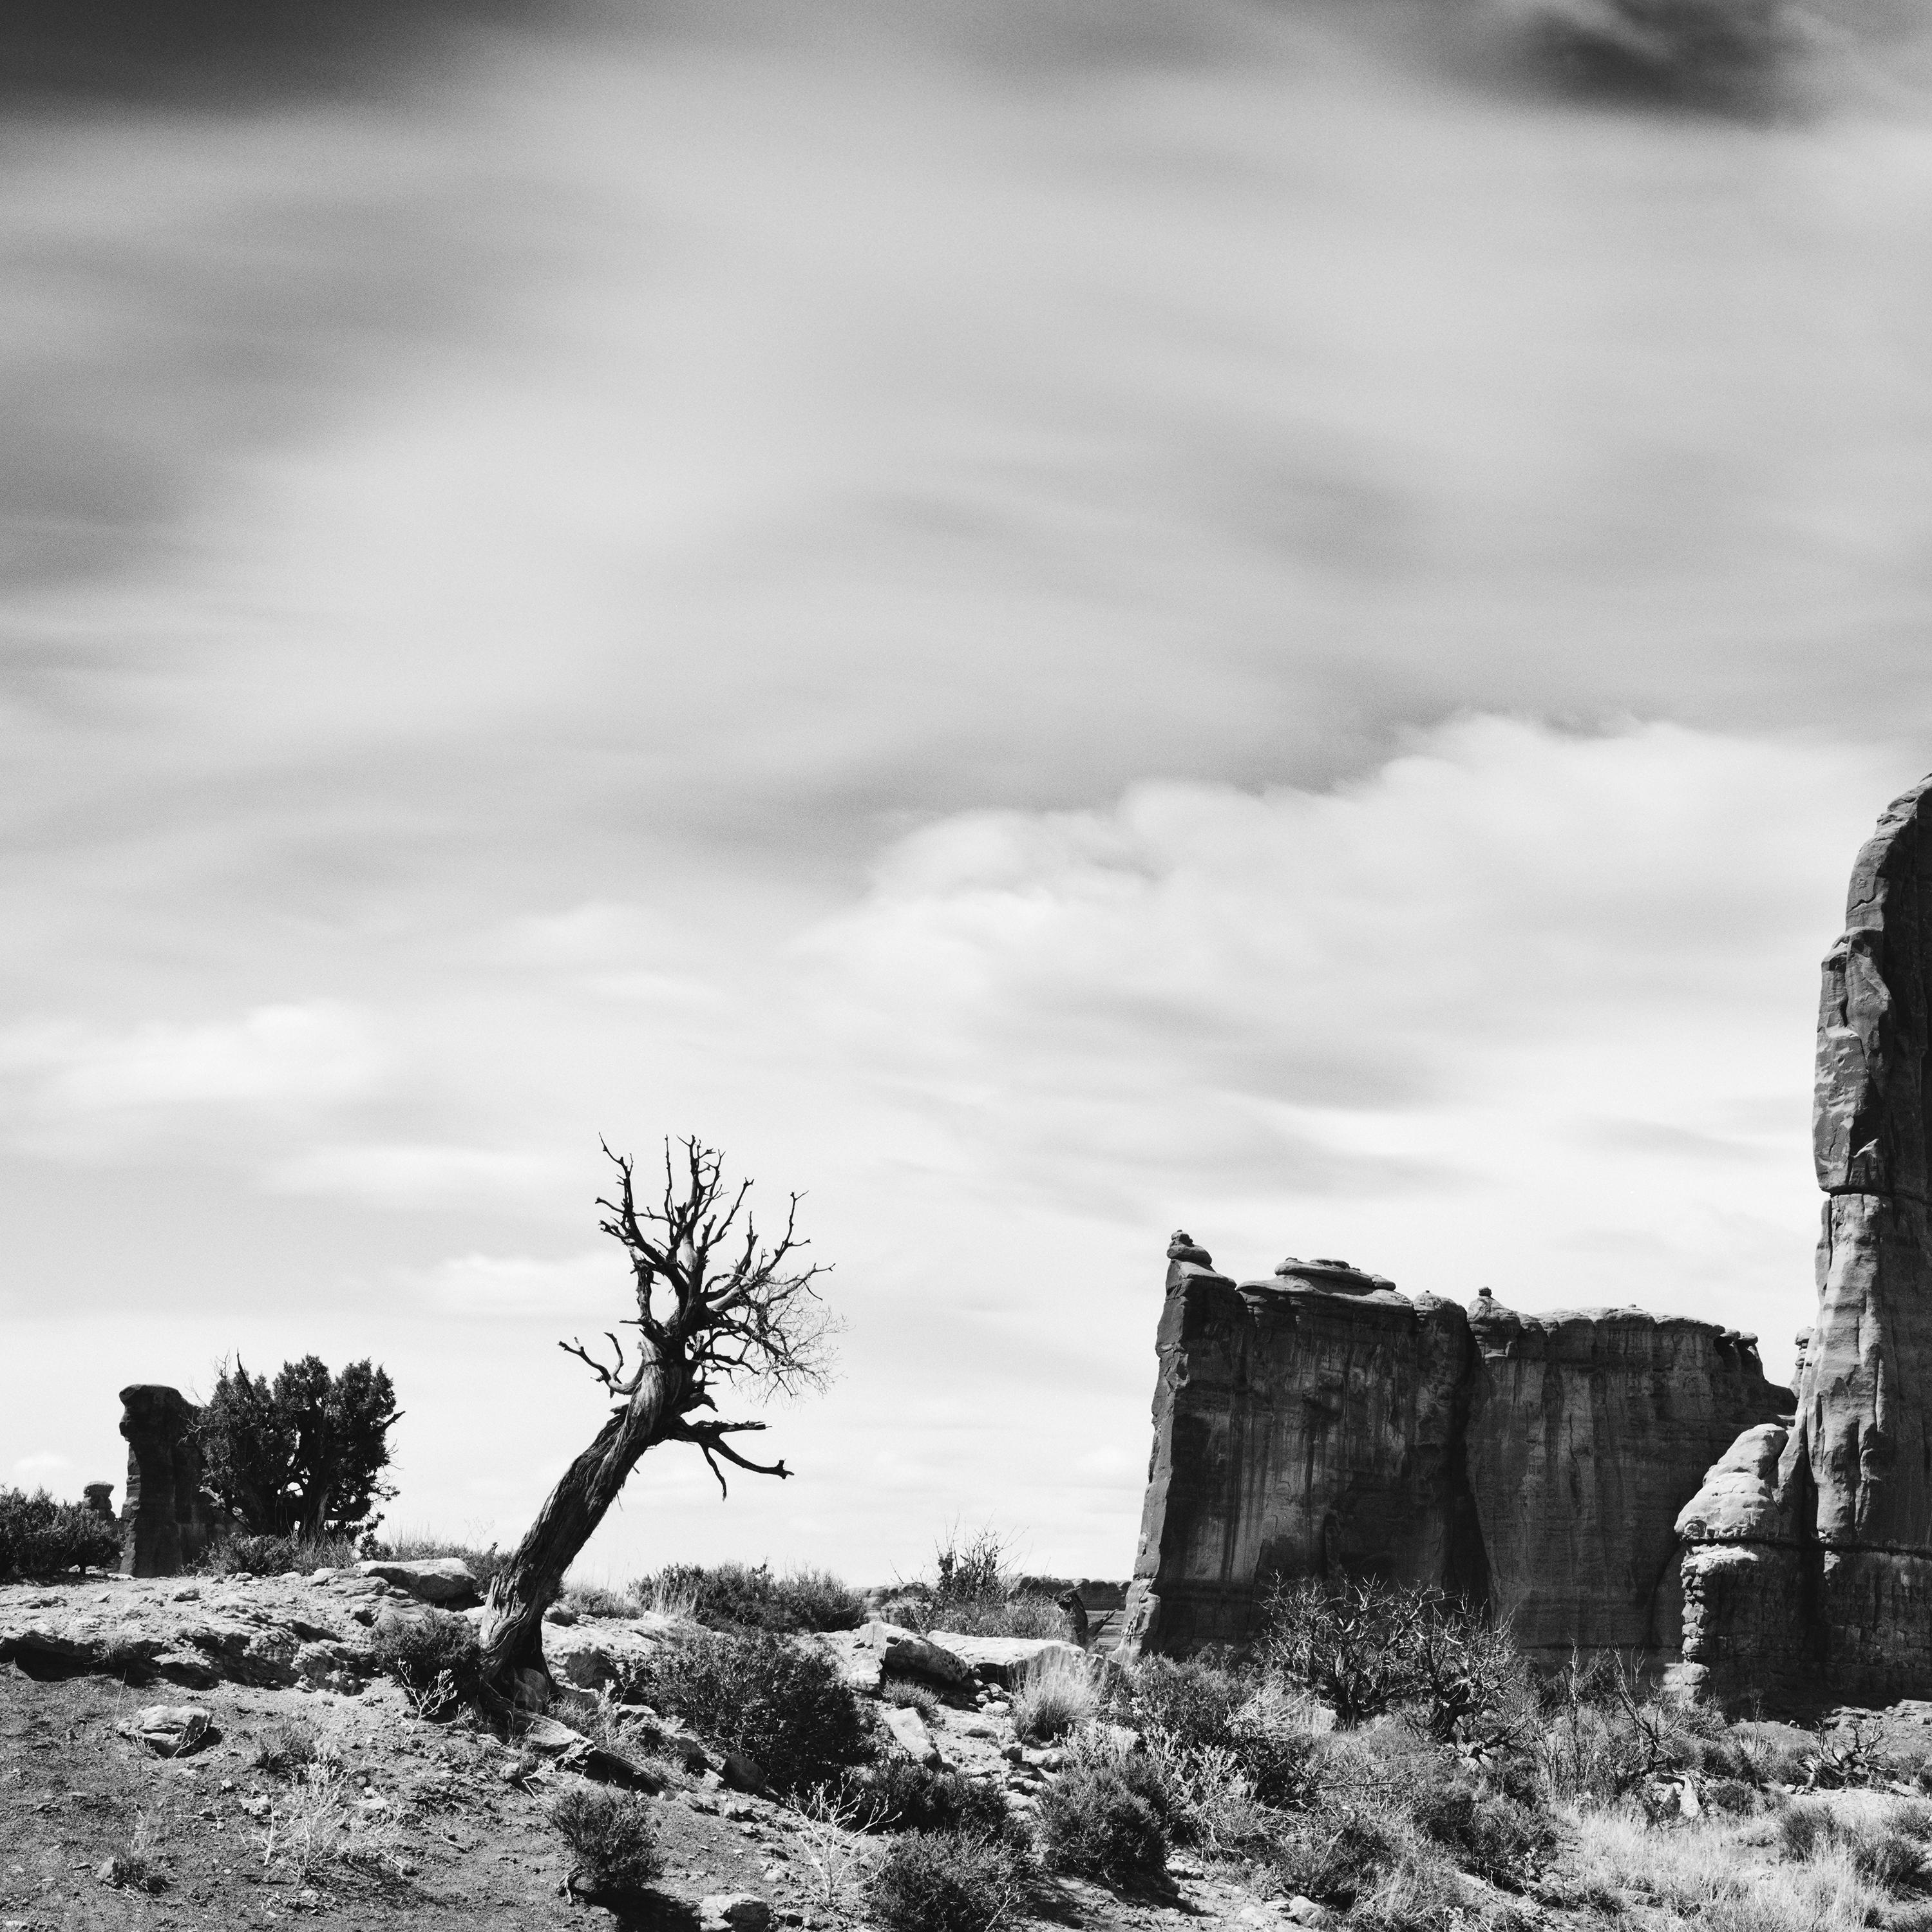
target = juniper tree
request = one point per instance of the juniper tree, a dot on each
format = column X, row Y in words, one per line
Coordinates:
column 716, row 1307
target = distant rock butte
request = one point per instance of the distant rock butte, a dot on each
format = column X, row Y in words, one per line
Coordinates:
column 1321, row 1423
column 1607, row 1478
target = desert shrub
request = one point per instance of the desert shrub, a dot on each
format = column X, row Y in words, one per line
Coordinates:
column 244, row 1554
column 784, row 1705
column 285, row 1747
column 1334, row 1854
column 974, row 1591
column 897, row 1794
column 130, row 1869
column 911, row 1693
column 305, row 1452
column 1191, row 1702
column 1107, row 1816
column 594, row 1599
column 609, row 1833
column 1275, row 1748
column 1190, row 1710
column 1485, row 1831
column 1732, row 1797
column 1057, row 1693
column 426, row 1650
column 1365, row 1646
column 1413, row 1892
column 1020, row 1615
column 947, row 1881
column 234, row 1551
column 740, row 1597
column 41, row 1537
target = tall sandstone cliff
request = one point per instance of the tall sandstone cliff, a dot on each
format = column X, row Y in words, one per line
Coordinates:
column 1808, row 1558
column 1320, row 1424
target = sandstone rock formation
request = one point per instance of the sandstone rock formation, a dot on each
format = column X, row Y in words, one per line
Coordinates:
column 1323, row 1424
column 447, row 1580
column 1823, row 1575
column 165, row 1521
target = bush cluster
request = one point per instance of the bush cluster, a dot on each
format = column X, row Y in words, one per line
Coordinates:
column 785, row 1707
column 426, row 1650
column 740, row 1597
column 974, row 1591
column 614, row 1847
column 1106, row 1816
column 41, row 1537
column 948, row 1881
column 897, row 1795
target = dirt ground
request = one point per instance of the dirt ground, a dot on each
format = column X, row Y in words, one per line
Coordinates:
column 407, row 1820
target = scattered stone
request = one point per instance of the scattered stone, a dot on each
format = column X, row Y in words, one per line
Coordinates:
column 560, row 1613
column 547, row 1735
column 910, row 1734
column 742, row 1772
column 905, row 1653
column 734, row 1912
column 608, row 1767
column 170, row 1730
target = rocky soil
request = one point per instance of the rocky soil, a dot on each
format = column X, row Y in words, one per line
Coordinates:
column 406, row 1815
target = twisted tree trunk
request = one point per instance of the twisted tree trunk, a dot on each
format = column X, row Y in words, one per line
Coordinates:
column 530, row 1583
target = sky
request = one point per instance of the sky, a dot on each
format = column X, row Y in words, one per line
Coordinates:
column 1044, row 621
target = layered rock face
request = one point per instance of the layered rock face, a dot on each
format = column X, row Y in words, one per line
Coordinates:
column 1305, row 1426
column 1587, row 1433
column 1842, row 1533
column 164, row 1521
column 1321, row 1424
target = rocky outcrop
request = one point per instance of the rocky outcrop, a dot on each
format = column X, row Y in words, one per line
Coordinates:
column 1840, row 1542
column 165, row 1521
column 1305, row 1426
column 447, row 1580
column 1322, row 1424
column 1587, row 1430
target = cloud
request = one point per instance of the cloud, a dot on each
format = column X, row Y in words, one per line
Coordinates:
column 1281, row 990
column 41, row 1464
column 390, row 1174
column 78, row 1086
column 589, row 1286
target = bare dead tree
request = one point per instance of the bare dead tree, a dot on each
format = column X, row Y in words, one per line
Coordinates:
column 716, row 1307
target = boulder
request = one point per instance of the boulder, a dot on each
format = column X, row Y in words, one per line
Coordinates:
column 430, row 1580
column 1739, row 1501
column 547, row 1735
column 734, row 1912
column 910, row 1734
column 1002, row 1660
column 170, row 1730
column 608, row 1767
column 906, row 1654
column 591, row 1656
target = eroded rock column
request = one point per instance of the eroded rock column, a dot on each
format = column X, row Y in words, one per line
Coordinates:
column 163, row 1521
column 1842, row 1541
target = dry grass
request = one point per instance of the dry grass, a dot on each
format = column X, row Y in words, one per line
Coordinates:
column 1737, row 1875
column 1057, row 1694
column 319, row 1824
